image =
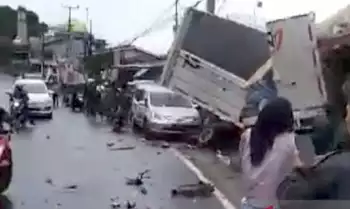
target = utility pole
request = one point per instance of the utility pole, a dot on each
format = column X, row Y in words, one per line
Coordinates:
column 87, row 18
column 42, row 70
column 70, row 8
column 90, row 39
column 176, row 16
column 211, row 6
column 69, row 30
column 87, row 35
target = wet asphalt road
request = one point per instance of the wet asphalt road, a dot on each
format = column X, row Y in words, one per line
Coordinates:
column 71, row 150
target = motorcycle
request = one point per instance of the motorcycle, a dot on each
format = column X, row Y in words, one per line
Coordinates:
column 78, row 102
column 17, row 114
column 5, row 160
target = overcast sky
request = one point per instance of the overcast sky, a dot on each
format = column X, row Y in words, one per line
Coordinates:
column 120, row 20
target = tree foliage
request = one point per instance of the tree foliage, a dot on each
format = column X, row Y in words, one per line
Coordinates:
column 8, row 30
column 8, row 22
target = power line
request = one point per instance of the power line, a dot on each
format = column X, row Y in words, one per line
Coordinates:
column 155, row 28
column 165, row 12
column 152, row 29
column 154, row 24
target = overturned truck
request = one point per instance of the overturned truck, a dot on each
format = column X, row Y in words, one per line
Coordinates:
column 226, row 67
column 230, row 69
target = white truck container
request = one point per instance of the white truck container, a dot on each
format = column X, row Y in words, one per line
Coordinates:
column 215, row 60
column 296, row 59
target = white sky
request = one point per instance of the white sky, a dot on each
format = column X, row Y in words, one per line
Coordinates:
column 120, row 20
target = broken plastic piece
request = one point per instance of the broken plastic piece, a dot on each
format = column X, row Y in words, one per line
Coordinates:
column 72, row 186
column 193, row 190
column 115, row 205
column 122, row 148
column 130, row 205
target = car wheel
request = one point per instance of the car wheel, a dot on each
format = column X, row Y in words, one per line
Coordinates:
column 5, row 178
column 49, row 116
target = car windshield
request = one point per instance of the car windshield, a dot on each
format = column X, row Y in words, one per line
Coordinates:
column 169, row 100
column 35, row 88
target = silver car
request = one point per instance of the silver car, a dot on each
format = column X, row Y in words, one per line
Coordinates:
column 160, row 111
column 40, row 97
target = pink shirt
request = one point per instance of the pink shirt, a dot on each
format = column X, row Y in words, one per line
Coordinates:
column 261, row 182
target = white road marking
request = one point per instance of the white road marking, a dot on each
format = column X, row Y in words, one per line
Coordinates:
column 218, row 194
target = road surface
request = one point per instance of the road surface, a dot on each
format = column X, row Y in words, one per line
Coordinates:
column 71, row 150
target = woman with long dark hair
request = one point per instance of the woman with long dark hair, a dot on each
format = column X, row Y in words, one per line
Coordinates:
column 268, row 154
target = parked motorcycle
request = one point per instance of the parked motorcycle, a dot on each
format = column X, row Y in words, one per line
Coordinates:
column 5, row 160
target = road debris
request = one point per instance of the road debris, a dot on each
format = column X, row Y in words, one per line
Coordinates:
column 138, row 181
column 48, row 137
column 122, row 148
column 115, row 204
column 49, row 181
column 159, row 153
column 165, row 145
column 200, row 189
column 71, row 187
column 110, row 144
column 143, row 190
column 130, row 205
column 160, row 144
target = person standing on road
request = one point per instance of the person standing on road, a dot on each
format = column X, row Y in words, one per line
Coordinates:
column 268, row 153
column 55, row 99
column 55, row 96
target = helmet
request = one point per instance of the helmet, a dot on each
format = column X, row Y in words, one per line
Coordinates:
column 19, row 87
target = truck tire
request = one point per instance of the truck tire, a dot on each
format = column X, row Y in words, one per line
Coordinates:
column 206, row 135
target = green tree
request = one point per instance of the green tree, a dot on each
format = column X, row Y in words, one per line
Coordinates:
column 8, row 30
column 8, row 22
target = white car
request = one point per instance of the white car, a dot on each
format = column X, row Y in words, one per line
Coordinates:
column 159, row 111
column 40, row 97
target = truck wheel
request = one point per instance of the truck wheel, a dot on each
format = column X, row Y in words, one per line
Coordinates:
column 206, row 135
column 49, row 116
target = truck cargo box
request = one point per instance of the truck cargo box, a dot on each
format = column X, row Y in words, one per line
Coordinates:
column 213, row 61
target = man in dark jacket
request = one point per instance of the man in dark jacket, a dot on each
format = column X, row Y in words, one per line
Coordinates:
column 22, row 95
